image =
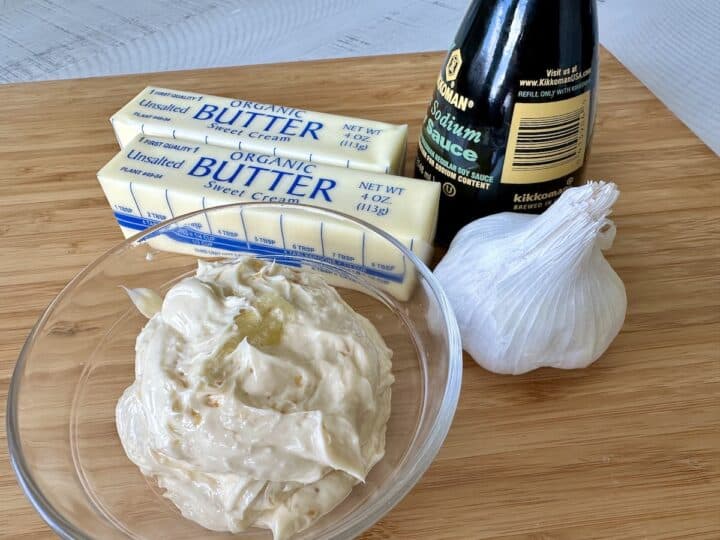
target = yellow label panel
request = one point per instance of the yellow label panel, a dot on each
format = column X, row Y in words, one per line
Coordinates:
column 547, row 140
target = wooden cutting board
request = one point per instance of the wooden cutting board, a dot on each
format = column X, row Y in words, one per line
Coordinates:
column 629, row 448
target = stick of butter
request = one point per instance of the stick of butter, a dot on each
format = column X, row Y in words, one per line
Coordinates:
column 345, row 254
column 153, row 179
column 269, row 129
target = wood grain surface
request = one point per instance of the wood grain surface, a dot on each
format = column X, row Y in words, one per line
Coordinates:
column 628, row 448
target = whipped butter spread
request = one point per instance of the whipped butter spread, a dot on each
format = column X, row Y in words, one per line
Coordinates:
column 260, row 397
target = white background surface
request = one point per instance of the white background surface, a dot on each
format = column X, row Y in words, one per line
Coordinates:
column 673, row 46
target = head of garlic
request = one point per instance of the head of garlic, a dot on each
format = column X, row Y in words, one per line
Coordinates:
column 531, row 291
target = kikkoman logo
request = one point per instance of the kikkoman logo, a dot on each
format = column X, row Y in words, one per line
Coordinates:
column 452, row 68
column 446, row 88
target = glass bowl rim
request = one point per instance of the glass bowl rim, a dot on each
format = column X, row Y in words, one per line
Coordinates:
column 358, row 521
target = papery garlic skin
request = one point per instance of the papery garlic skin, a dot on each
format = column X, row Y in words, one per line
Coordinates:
column 531, row 291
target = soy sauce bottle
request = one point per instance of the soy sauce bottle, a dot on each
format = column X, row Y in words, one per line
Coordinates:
column 511, row 117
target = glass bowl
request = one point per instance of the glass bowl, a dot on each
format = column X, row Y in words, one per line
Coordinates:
column 79, row 358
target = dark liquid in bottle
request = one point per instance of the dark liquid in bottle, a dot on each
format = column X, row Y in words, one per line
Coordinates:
column 511, row 118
